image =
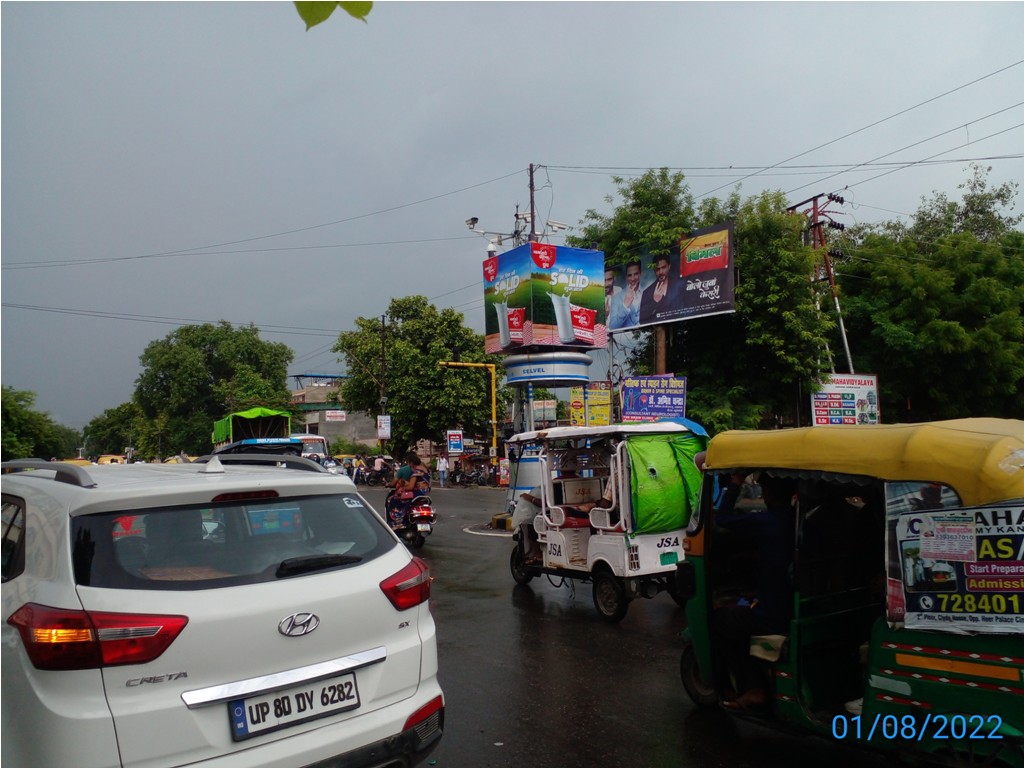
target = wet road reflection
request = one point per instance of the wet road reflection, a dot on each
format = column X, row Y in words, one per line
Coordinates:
column 533, row 678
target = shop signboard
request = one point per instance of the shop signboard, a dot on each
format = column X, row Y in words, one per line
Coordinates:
column 846, row 398
column 591, row 406
column 649, row 398
column 542, row 295
column 455, row 442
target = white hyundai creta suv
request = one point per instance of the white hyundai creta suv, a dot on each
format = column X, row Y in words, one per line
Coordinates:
column 240, row 611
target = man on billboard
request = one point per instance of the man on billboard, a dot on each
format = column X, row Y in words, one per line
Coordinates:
column 662, row 296
column 624, row 305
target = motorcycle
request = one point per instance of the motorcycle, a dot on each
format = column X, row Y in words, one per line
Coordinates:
column 471, row 477
column 411, row 519
column 375, row 477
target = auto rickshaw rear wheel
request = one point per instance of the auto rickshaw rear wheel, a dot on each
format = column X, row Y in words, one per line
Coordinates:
column 697, row 688
column 610, row 596
column 517, row 566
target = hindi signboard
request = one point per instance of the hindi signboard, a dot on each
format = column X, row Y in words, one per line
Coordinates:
column 649, row 398
column 695, row 281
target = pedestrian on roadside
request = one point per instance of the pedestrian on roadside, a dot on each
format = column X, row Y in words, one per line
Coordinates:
column 442, row 470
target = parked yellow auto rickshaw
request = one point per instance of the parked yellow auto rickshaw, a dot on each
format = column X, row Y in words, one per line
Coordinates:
column 865, row 584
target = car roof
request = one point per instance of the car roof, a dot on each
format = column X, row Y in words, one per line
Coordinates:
column 982, row 459
column 88, row 489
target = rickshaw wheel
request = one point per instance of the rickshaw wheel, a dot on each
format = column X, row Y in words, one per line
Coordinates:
column 697, row 688
column 610, row 597
column 518, row 568
column 673, row 591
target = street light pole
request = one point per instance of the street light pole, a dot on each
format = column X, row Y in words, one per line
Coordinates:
column 494, row 400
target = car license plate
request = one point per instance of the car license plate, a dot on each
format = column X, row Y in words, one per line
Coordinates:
column 423, row 527
column 291, row 706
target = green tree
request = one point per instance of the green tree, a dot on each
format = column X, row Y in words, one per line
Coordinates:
column 314, row 12
column 940, row 323
column 983, row 211
column 743, row 369
column 200, row 373
column 114, row 429
column 27, row 433
column 398, row 358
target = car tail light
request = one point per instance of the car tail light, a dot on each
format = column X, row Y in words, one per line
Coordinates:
column 409, row 587
column 56, row 638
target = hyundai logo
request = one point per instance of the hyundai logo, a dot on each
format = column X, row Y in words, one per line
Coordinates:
column 298, row 624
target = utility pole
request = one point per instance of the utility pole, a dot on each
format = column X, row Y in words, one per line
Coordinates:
column 533, row 212
column 383, row 369
column 820, row 220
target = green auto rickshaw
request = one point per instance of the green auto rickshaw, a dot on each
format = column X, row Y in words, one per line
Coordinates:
column 866, row 584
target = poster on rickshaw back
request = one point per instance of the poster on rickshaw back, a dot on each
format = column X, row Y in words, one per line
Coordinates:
column 544, row 295
column 963, row 569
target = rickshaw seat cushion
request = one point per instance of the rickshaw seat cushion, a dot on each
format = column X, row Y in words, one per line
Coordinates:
column 767, row 647
column 575, row 522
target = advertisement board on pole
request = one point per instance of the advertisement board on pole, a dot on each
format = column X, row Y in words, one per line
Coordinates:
column 455, row 444
column 591, row 407
column 695, row 281
column 544, row 295
column 846, row 398
column 649, row 398
column 383, row 427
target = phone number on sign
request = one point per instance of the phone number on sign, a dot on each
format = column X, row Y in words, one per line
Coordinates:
column 911, row 728
column 971, row 603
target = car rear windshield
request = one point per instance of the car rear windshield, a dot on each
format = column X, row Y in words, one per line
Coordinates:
column 226, row 543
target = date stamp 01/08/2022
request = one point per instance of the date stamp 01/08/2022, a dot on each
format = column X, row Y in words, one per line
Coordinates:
column 912, row 728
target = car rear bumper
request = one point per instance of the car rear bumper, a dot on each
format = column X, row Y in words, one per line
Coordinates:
column 404, row 750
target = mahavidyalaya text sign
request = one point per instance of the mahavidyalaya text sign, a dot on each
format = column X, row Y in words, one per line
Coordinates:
column 696, row 281
column 544, row 295
column 846, row 398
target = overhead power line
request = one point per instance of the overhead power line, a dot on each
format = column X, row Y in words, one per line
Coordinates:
column 204, row 248
column 877, row 122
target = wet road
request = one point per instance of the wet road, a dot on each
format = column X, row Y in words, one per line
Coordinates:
column 534, row 679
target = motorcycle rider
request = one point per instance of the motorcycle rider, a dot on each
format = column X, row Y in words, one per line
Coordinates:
column 410, row 481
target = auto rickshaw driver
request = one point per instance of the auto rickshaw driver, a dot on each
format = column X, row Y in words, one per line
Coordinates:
column 770, row 612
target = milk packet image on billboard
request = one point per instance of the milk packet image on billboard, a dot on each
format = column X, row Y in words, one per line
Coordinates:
column 583, row 321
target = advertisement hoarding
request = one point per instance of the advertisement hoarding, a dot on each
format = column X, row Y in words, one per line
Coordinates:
column 960, row 570
column 455, row 443
column 544, row 295
column 591, row 407
column 383, row 427
column 649, row 398
column 696, row 281
column 846, row 398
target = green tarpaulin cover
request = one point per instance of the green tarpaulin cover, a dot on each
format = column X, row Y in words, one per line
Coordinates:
column 664, row 480
column 279, row 427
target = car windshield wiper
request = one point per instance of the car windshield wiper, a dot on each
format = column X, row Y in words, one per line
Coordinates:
column 296, row 565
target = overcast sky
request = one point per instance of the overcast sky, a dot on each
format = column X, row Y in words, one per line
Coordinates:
column 174, row 163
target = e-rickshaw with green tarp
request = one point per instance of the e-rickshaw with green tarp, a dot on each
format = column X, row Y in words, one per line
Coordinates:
column 904, row 629
column 611, row 505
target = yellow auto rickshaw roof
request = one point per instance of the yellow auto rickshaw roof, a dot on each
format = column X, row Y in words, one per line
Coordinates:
column 982, row 459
